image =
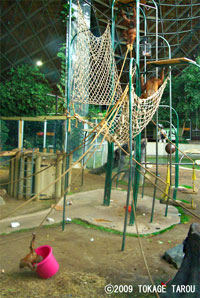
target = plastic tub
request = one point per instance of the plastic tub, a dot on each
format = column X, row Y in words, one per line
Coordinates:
column 48, row 266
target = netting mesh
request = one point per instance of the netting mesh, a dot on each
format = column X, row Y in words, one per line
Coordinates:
column 96, row 81
column 143, row 110
column 95, row 74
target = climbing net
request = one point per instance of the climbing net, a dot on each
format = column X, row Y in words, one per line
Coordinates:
column 95, row 75
column 96, row 81
column 143, row 110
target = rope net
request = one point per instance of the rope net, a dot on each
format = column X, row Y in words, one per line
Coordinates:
column 143, row 110
column 95, row 75
column 95, row 81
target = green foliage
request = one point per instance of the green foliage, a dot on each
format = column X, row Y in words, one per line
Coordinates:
column 185, row 93
column 184, row 217
column 25, row 93
column 95, row 112
column 3, row 134
column 63, row 79
column 65, row 12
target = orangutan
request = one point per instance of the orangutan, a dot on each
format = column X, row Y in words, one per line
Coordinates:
column 130, row 33
column 32, row 258
column 152, row 85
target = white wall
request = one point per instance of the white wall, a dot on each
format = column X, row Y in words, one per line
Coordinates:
column 151, row 148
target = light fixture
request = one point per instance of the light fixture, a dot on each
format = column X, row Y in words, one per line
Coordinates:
column 146, row 47
column 39, row 63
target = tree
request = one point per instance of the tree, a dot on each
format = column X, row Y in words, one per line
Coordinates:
column 25, row 93
column 185, row 93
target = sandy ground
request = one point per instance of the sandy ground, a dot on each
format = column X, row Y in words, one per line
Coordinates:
column 89, row 258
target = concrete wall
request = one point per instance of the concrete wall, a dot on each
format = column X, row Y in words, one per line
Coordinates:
column 151, row 148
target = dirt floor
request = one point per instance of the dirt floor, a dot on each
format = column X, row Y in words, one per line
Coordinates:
column 89, row 258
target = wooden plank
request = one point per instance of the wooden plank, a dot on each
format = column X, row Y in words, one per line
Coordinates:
column 9, row 153
column 37, row 118
column 43, row 118
column 169, row 62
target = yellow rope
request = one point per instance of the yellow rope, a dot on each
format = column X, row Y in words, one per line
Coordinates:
column 5, row 161
column 170, row 197
column 116, row 112
column 118, row 79
column 142, row 250
column 119, row 103
column 14, row 181
column 167, row 182
column 66, row 154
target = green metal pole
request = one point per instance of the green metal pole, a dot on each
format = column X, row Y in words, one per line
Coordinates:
column 170, row 116
column 157, row 174
column 67, row 92
column 145, row 130
column 138, row 137
column 176, row 152
column 156, row 180
column 108, row 184
column 130, row 156
column 108, row 180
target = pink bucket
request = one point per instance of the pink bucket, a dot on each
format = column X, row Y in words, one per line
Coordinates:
column 48, row 266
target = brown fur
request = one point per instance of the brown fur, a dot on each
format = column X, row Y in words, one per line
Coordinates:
column 130, row 33
column 151, row 85
column 30, row 259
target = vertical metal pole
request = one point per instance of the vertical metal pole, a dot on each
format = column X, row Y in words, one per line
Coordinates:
column 130, row 156
column 170, row 119
column 45, row 134
column 138, row 137
column 83, row 161
column 157, row 174
column 145, row 160
column 96, row 145
column 145, row 130
column 177, row 152
column 176, row 158
column 190, row 129
column 156, row 180
column 67, row 94
column 108, row 180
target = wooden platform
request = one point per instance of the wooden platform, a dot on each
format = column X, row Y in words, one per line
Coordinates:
column 171, row 62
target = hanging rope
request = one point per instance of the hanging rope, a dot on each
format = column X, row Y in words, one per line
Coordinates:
column 112, row 114
column 170, row 197
column 167, row 182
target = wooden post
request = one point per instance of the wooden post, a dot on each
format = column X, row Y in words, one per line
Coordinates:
column 28, row 173
column 58, row 173
column 44, row 150
column 21, row 177
column 20, row 133
column 16, row 174
column 37, row 176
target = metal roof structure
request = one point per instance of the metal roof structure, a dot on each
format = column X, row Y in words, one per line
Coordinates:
column 33, row 30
